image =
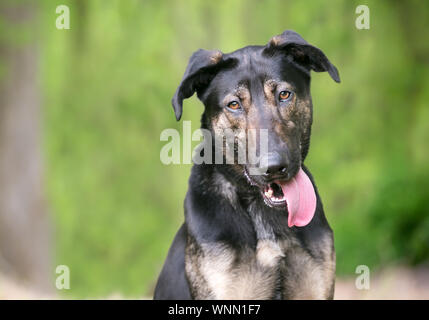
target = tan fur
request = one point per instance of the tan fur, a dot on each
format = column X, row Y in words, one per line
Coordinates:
column 247, row 279
column 216, row 57
column 268, row 253
column 269, row 87
column 308, row 278
column 216, row 271
column 276, row 40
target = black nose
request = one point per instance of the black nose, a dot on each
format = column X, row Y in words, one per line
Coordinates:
column 276, row 165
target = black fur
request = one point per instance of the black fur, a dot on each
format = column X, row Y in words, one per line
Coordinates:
column 222, row 204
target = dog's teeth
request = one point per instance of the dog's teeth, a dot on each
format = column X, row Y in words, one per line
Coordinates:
column 268, row 194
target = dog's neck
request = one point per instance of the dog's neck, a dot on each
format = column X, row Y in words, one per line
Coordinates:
column 228, row 184
column 245, row 198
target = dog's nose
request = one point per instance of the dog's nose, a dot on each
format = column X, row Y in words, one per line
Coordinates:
column 276, row 165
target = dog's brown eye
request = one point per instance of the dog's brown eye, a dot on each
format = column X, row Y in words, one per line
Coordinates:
column 284, row 95
column 234, row 105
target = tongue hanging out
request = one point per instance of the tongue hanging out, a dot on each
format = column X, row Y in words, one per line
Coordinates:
column 299, row 195
column 301, row 199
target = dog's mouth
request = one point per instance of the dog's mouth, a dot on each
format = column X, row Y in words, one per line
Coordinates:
column 296, row 195
column 273, row 195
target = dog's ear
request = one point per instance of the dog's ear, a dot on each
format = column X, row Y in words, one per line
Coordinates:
column 202, row 67
column 302, row 53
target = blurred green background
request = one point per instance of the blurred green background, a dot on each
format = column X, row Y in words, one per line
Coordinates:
column 106, row 86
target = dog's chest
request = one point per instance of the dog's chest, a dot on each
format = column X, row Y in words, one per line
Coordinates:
column 275, row 269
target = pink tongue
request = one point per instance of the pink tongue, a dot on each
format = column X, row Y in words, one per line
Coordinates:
column 301, row 199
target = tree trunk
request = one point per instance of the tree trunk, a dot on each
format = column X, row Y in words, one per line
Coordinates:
column 24, row 226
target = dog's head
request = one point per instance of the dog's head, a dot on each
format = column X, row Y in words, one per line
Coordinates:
column 259, row 87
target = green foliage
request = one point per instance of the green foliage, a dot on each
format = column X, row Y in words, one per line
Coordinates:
column 107, row 84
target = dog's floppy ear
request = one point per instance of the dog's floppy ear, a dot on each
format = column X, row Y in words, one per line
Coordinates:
column 302, row 53
column 201, row 69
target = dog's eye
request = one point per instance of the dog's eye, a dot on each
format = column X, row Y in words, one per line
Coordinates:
column 234, row 105
column 284, row 95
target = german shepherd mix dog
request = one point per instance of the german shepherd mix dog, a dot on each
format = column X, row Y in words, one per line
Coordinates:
column 253, row 236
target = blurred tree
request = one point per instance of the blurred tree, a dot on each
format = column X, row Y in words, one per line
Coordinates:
column 24, row 227
column 107, row 85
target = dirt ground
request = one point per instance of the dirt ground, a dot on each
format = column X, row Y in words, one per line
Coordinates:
column 390, row 284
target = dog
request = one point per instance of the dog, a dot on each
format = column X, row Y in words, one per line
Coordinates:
column 260, row 236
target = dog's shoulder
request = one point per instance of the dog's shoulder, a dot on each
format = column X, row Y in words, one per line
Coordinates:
column 172, row 283
column 211, row 213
